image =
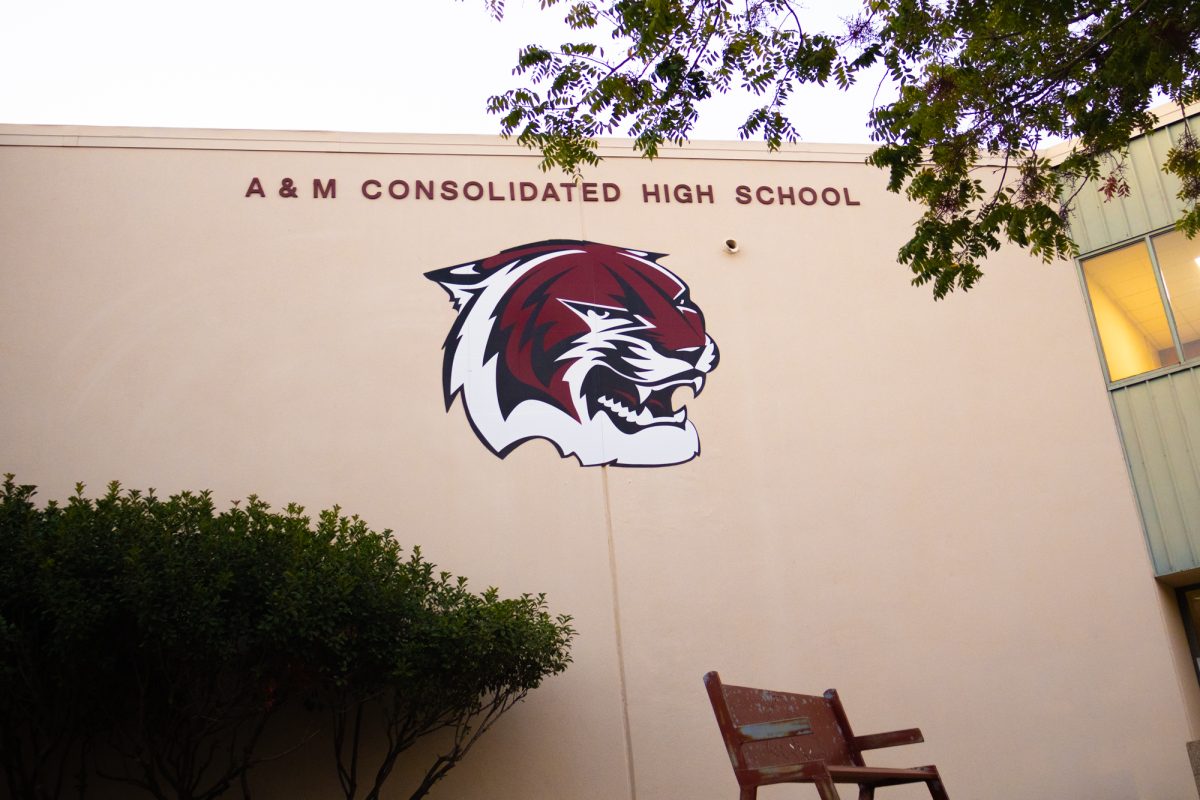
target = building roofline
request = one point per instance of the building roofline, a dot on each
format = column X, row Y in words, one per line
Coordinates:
column 1167, row 114
column 389, row 143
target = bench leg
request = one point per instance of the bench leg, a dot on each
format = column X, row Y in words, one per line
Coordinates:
column 748, row 793
column 825, row 788
column 936, row 790
column 866, row 792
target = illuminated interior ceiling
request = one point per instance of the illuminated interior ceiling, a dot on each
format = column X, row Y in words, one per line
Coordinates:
column 1177, row 257
column 1126, row 277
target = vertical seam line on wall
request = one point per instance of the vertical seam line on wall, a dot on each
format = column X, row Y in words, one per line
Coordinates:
column 1162, row 502
column 1149, row 504
column 616, row 606
column 1144, row 196
column 1127, row 226
column 1160, row 184
column 1189, row 523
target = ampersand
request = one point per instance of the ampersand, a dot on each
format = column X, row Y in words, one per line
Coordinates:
column 287, row 188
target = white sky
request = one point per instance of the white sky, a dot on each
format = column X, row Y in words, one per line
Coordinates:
column 402, row 66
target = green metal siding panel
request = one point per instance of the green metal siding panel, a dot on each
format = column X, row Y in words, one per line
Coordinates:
column 1160, row 424
column 1152, row 204
column 1137, row 469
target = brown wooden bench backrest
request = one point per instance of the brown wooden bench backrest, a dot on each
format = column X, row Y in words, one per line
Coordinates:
column 828, row 740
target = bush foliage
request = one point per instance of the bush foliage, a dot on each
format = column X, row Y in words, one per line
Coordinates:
column 152, row 642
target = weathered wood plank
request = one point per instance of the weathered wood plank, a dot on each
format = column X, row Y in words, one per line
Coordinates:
column 763, row 731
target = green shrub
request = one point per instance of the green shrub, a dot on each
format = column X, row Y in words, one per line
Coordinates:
column 164, row 636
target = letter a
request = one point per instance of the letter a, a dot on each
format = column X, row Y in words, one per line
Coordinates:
column 255, row 188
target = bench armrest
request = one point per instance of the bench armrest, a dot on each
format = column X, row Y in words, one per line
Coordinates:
column 890, row 739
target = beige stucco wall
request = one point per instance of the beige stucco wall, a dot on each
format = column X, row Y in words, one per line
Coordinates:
column 923, row 504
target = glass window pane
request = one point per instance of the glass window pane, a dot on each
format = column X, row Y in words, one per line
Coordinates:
column 1129, row 312
column 1179, row 260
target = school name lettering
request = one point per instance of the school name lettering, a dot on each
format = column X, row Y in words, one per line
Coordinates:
column 432, row 189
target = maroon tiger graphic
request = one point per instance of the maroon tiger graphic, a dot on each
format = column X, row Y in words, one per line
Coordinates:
column 580, row 343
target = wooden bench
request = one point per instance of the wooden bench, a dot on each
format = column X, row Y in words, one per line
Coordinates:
column 778, row 737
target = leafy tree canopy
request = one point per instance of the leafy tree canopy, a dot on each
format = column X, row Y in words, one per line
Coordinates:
column 980, row 86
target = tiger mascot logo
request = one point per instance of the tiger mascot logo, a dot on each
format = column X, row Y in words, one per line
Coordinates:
column 580, row 343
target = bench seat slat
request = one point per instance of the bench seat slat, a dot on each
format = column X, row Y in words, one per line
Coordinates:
column 855, row 774
column 876, row 776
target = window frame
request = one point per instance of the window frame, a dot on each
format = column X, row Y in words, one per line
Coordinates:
column 1163, row 296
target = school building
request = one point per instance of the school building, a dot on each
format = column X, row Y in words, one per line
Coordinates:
column 695, row 401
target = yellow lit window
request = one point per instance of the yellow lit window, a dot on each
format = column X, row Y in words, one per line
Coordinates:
column 1129, row 312
column 1179, row 259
